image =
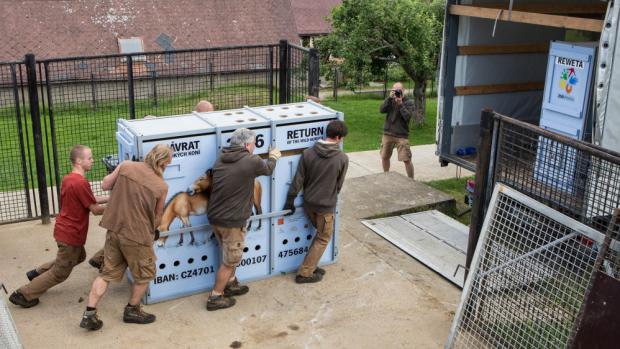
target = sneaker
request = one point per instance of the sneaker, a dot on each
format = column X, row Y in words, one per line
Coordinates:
column 220, row 302
column 18, row 299
column 90, row 321
column 95, row 264
column 135, row 315
column 319, row 271
column 32, row 274
column 235, row 289
column 316, row 277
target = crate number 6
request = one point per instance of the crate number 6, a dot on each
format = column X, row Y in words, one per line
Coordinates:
column 259, row 141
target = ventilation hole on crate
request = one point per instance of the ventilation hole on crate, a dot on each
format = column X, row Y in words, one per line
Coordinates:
column 300, row 106
column 176, row 263
column 600, row 85
column 257, row 247
column 204, row 258
column 607, row 25
column 245, row 249
column 314, row 112
column 227, row 113
column 284, row 107
column 239, row 120
column 283, row 116
column 252, row 119
column 190, row 261
column 269, row 109
column 297, row 239
column 309, row 237
column 605, row 45
column 162, row 266
column 603, row 65
column 284, row 242
column 239, row 112
column 299, row 114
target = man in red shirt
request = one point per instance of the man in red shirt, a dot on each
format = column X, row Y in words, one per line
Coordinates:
column 76, row 202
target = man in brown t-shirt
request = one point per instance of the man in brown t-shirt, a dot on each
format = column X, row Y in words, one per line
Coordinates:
column 76, row 202
column 320, row 173
column 230, row 207
column 134, row 211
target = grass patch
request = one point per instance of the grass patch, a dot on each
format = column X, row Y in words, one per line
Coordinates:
column 454, row 187
column 365, row 122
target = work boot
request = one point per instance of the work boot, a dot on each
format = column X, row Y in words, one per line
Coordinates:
column 134, row 314
column 220, row 302
column 319, row 271
column 316, row 277
column 95, row 264
column 32, row 274
column 235, row 289
column 18, row 299
column 90, row 321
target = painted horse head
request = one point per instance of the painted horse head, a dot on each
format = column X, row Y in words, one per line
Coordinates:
column 203, row 184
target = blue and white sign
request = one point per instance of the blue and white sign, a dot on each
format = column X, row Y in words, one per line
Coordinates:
column 566, row 110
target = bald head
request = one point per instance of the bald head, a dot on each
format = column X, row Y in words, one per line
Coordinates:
column 397, row 86
column 204, row 106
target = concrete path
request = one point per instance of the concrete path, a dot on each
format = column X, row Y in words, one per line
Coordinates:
column 375, row 296
column 425, row 163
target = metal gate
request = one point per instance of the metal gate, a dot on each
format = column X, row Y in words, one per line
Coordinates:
column 17, row 194
column 544, row 268
column 529, row 276
column 77, row 100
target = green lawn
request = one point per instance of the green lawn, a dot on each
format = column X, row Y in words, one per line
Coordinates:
column 455, row 187
column 365, row 122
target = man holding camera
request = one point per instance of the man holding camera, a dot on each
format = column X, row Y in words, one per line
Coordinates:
column 399, row 110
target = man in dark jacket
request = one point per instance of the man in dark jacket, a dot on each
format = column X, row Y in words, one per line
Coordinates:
column 320, row 173
column 230, row 207
column 396, row 128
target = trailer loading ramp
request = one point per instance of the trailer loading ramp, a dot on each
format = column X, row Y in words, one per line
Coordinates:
column 431, row 237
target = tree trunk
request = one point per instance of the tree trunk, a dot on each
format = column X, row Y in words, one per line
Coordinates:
column 419, row 100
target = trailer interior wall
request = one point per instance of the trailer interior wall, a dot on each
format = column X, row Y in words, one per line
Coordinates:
column 460, row 101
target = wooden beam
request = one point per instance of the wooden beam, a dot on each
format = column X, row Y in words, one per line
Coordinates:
column 499, row 88
column 598, row 8
column 500, row 49
column 587, row 24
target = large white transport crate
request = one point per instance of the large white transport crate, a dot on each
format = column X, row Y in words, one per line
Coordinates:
column 188, row 258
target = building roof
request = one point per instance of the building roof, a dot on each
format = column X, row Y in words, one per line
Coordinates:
column 310, row 16
column 91, row 27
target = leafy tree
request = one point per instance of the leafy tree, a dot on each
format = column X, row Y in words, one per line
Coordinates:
column 366, row 32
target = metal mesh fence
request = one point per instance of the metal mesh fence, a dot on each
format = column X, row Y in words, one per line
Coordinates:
column 298, row 72
column 81, row 98
column 532, row 268
column 8, row 332
column 15, row 198
column 544, row 244
column 574, row 177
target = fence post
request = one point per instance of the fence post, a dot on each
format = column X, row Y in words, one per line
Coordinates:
column 130, row 89
column 482, row 177
column 283, row 72
column 33, row 99
column 314, row 73
column 154, row 83
column 93, row 90
column 270, row 72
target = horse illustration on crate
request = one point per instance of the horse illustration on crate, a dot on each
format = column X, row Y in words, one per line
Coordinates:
column 194, row 202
